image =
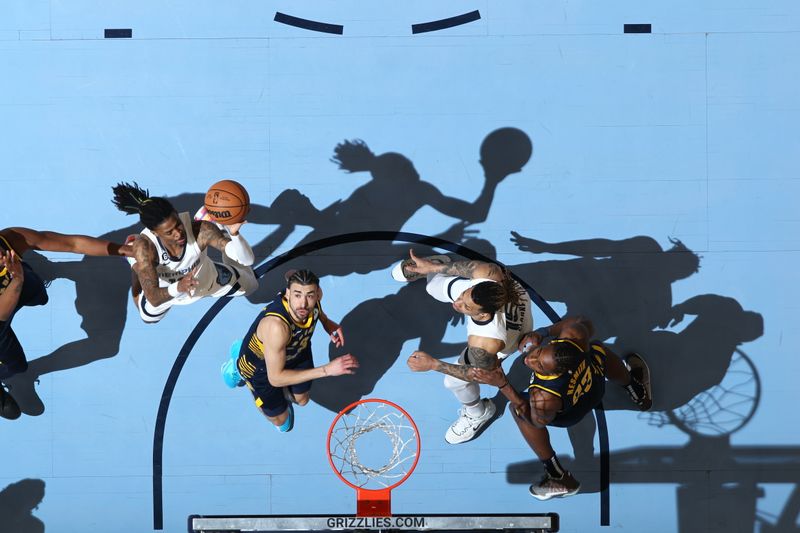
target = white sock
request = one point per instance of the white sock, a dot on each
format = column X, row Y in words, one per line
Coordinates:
column 476, row 410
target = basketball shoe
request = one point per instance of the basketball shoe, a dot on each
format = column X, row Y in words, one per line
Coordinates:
column 9, row 408
column 550, row 487
column 639, row 389
column 230, row 374
column 466, row 427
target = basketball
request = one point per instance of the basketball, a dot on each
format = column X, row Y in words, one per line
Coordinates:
column 227, row 202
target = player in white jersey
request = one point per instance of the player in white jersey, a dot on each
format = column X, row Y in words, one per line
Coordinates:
column 498, row 313
column 170, row 265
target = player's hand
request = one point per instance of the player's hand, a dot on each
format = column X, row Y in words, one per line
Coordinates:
column 189, row 283
column 494, row 377
column 421, row 265
column 233, row 229
column 10, row 260
column 126, row 250
column 421, row 362
column 337, row 335
column 529, row 341
column 526, row 244
column 522, row 410
column 345, row 364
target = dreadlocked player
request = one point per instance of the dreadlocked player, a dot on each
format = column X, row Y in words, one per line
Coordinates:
column 497, row 311
column 20, row 286
column 568, row 381
column 170, row 265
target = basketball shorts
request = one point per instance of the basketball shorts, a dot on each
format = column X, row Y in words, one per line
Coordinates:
column 271, row 400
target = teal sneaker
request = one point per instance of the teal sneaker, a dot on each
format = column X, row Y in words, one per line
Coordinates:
column 289, row 423
column 230, row 374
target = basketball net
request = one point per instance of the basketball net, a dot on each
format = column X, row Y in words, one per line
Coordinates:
column 356, row 439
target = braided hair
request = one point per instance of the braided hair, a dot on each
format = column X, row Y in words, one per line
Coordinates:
column 303, row 277
column 132, row 199
column 491, row 296
column 567, row 355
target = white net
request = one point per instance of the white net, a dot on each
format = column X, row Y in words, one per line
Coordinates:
column 373, row 446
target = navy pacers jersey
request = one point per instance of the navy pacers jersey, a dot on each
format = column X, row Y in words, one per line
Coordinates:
column 580, row 391
column 251, row 358
column 5, row 275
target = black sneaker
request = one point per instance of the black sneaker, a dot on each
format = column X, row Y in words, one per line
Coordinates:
column 8, row 405
column 549, row 487
column 642, row 395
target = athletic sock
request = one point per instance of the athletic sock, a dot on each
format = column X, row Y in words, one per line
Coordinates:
column 476, row 410
column 553, row 467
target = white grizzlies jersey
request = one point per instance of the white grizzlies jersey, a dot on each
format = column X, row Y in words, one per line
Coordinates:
column 171, row 269
column 507, row 325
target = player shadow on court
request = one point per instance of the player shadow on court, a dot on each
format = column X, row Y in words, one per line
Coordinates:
column 625, row 287
column 17, row 503
column 378, row 328
column 102, row 287
column 393, row 195
column 717, row 484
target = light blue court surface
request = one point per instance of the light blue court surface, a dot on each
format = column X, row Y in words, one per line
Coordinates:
column 653, row 153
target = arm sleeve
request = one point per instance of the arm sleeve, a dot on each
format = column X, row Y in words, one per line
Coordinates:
column 239, row 250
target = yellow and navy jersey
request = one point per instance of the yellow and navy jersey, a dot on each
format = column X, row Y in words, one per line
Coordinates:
column 581, row 389
column 251, row 358
column 5, row 275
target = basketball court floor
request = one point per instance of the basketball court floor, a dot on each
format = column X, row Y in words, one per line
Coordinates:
column 660, row 200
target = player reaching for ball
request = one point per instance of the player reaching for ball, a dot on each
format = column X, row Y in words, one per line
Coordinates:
column 170, row 265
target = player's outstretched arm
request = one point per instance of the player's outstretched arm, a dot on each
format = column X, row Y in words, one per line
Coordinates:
column 24, row 239
column 481, row 353
column 466, row 269
column 274, row 333
column 234, row 246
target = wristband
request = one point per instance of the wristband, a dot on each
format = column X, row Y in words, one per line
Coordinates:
column 172, row 289
column 503, row 385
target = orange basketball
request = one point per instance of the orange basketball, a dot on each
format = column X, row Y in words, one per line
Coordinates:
column 227, row 202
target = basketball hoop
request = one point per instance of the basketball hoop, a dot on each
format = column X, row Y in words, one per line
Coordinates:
column 373, row 446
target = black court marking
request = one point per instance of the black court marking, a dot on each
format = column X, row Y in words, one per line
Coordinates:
column 605, row 467
column 347, row 238
column 118, row 33
column 436, row 25
column 638, row 28
column 306, row 24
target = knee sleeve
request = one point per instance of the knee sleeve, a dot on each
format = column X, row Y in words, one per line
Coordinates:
column 465, row 391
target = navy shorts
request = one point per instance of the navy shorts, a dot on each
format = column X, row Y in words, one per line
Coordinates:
column 270, row 399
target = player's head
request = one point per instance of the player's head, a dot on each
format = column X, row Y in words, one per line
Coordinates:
column 302, row 292
column 483, row 300
column 680, row 262
column 555, row 357
column 355, row 156
column 157, row 214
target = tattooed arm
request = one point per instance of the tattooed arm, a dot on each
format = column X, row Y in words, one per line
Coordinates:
column 145, row 254
column 466, row 269
column 481, row 353
column 235, row 247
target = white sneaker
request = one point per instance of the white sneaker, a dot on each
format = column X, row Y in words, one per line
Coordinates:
column 399, row 273
column 466, row 427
